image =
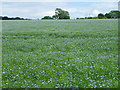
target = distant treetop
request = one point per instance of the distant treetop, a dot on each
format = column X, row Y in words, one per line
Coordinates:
column 13, row 18
column 59, row 14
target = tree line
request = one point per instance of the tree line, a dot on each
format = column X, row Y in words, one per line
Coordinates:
column 114, row 14
column 62, row 14
column 13, row 18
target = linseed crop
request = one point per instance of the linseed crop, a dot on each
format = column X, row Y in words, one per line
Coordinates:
column 60, row 54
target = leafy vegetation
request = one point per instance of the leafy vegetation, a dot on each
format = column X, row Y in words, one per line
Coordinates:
column 60, row 54
column 0, row 54
column 114, row 14
column 100, row 16
column 13, row 18
column 47, row 17
column 59, row 14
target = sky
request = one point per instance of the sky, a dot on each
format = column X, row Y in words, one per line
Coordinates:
column 35, row 10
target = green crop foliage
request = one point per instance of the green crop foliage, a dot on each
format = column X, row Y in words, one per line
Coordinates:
column 0, row 54
column 60, row 53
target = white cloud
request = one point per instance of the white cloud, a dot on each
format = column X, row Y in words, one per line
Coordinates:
column 31, row 10
column 41, row 9
column 94, row 9
column 72, row 10
column 46, row 13
column 96, row 12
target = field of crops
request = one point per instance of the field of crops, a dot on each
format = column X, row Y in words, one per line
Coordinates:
column 1, row 53
column 60, row 54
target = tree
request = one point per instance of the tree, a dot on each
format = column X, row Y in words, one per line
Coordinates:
column 5, row 18
column 77, row 18
column 54, row 17
column 100, row 16
column 115, row 14
column 47, row 17
column 17, row 18
column 61, row 14
column 0, row 17
column 89, row 18
column 107, row 15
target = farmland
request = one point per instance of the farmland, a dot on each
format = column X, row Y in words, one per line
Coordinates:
column 60, row 53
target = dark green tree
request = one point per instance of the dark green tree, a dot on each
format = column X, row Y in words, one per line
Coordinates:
column 54, row 17
column 100, row 16
column 47, row 17
column 61, row 14
column 115, row 14
column 77, row 18
column 17, row 18
column 107, row 15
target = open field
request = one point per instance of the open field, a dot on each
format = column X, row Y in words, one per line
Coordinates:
column 60, row 54
column 0, row 62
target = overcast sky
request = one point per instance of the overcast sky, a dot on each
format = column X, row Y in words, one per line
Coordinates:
column 35, row 10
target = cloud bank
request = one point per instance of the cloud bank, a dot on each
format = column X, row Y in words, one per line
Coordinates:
column 40, row 9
